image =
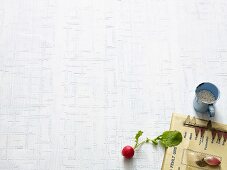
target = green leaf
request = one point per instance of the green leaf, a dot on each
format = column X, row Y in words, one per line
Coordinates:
column 171, row 138
column 139, row 133
column 147, row 140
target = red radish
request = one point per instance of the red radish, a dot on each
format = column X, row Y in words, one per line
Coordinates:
column 128, row 152
column 213, row 161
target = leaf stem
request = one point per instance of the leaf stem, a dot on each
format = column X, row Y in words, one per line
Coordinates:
column 155, row 140
column 147, row 140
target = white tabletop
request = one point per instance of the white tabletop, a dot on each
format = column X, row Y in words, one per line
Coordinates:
column 78, row 78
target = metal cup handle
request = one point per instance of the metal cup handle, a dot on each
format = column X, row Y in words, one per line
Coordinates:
column 211, row 110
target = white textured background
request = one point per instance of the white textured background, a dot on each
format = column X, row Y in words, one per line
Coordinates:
column 78, row 78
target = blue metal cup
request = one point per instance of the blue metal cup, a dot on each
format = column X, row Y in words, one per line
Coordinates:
column 206, row 107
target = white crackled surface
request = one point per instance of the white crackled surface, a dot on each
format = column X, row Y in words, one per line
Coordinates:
column 78, row 78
